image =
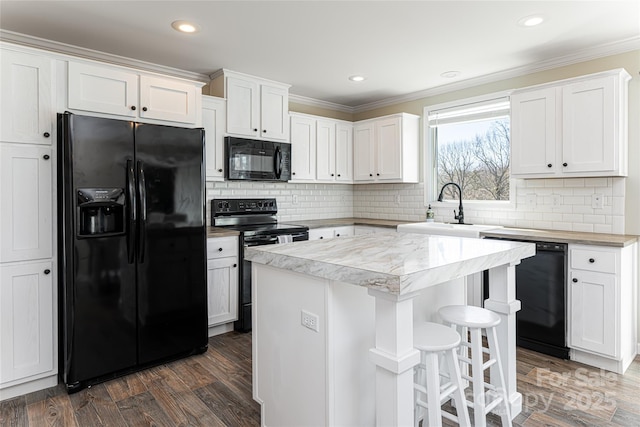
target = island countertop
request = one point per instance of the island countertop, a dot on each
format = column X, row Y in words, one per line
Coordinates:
column 397, row 263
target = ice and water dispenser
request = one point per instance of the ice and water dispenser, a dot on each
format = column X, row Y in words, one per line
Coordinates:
column 101, row 211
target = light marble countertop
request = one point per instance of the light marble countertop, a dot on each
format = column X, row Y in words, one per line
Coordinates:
column 556, row 236
column 398, row 263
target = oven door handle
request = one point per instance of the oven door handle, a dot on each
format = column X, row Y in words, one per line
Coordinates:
column 261, row 240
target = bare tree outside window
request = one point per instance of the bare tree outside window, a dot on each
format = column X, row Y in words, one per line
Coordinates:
column 476, row 156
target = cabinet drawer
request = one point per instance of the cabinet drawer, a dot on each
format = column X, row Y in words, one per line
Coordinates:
column 589, row 259
column 220, row 247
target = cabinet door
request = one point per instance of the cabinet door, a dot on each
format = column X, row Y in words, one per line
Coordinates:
column 26, row 227
column 103, row 90
column 274, row 118
column 243, row 108
column 213, row 120
column 589, row 126
column 388, row 136
column 344, row 231
column 222, row 290
column 363, row 152
column 533, row 133
column 26, row 110
column 321, row 233
column 593, row 315
column 303, row 148
column 27, row 327
column 168, row 100
column 344, row 152
column 325, row 150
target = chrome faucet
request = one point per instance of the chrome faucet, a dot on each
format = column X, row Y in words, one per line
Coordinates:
column 460, row 215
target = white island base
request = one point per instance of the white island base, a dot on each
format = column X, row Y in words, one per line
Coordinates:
column 328, row 351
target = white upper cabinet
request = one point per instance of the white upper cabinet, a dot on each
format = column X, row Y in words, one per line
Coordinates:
column 325, row 150
column 213, row 121
column 363, row 151
column 534, row 127
column 303, row 148
column 26, row 109
column 26, row 229
column 572, row 128
column 322, row 149
column 274, row 105
column 344, row 152
column 127, row 93
column 385, row 149
column 256, row 108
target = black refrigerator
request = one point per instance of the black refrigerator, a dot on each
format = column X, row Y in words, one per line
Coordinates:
column 132, row 246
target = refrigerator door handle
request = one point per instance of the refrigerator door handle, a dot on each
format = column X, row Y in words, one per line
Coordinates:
column 142, row 230
column 133, row 212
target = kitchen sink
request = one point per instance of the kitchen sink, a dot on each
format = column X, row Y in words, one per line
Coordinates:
column 445, row 229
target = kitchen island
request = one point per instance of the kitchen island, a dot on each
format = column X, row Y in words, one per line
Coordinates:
column 333, row 321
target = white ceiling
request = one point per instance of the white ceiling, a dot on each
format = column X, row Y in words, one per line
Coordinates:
column 400, row 46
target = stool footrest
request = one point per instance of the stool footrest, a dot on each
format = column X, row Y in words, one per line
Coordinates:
column 468, row 345
column 485, row 365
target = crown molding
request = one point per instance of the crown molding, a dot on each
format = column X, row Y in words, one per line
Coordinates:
column 584, row 55
column 312, row 102
column 71, row 50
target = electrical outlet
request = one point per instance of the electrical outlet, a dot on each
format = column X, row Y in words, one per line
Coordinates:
column 397, row 199
column 310, row 320
column 294, row 199
column 597, row 201
column 531, row 199
column 556, row 200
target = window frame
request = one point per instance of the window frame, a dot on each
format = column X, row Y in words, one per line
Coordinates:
column 430, row 158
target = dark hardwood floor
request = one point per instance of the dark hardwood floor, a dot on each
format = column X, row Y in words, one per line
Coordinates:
column 214, row 389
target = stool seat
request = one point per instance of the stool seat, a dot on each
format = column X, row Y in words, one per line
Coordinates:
column 469, row 316
column 434, row 337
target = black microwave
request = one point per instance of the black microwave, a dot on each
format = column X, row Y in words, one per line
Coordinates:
column 254, row 160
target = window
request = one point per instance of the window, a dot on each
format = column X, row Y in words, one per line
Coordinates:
column 470, row 145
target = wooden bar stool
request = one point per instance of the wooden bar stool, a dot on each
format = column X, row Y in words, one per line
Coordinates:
column 434, row 340
column 486, row 396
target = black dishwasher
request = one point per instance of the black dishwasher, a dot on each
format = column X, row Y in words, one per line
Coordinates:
column 541, row 287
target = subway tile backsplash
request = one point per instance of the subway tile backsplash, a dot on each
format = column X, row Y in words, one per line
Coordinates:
column 295, row 201
column 554, row 204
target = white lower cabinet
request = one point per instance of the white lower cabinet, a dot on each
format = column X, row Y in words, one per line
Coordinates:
column 602, row 305
column 222, row 280
column 331, row 232
column 28, row 328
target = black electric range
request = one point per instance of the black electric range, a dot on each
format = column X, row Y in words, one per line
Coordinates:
column 256, row 220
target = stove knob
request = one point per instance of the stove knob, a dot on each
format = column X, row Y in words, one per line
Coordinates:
column 259, row 204
column 219, row 205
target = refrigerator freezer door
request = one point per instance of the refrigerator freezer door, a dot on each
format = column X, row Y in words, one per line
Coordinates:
column 172, row 310
column 98, row 284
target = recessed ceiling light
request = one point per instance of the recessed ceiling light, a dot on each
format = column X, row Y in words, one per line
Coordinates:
column 357, row 78
column 531, row 21
column 184, row 26
column 450, row 74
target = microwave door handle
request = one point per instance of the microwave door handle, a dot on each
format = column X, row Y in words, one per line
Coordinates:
column 278, row 162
